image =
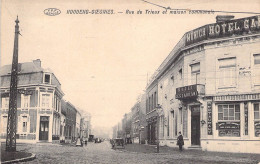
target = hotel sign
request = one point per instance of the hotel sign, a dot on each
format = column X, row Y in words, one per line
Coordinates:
column 189, row 91
column 242, row 26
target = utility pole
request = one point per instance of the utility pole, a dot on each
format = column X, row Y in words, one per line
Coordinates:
column 11, row 124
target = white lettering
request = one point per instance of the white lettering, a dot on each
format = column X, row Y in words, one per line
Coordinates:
column 253, row 23
column 230, row 27
column 246, row 24
column 236, row 27
column 211, row 30
column 217, row 29
column 224, row 28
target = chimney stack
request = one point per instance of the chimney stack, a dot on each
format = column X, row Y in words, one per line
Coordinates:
column 223, row 18
column 37, row 62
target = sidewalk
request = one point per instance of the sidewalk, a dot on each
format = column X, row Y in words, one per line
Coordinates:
column 164, row 150
column 14, row 157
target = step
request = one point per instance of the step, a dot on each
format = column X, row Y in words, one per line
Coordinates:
column 195, row 147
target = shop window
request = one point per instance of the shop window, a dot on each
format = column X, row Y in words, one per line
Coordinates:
column 227, row 72
column 195, row 73
column 229, row 112
column 257, row 119
column 229, row 120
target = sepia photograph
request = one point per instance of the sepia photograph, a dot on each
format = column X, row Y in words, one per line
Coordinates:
column 140, row 81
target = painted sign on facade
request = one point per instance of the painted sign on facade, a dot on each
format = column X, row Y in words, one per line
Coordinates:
column 224, row 29
column 209, row 107
column 229, row 129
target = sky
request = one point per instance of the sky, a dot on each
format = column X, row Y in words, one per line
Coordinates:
column 103, row 61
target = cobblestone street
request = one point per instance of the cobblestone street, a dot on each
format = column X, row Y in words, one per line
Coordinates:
column 102, row 153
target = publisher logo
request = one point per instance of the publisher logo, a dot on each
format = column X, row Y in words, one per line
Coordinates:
column 52, row 11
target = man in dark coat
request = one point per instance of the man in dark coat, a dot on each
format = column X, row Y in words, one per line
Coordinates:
column 180, row 141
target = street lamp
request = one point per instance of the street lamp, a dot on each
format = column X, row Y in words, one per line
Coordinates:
column 158, row 111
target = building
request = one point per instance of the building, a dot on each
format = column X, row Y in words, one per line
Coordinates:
column 87, row 127
column 78, row 122
column 208, row 88
column 151, row 112
column 38, row 102
column 139, row 120
column 127, row 133
column 70, row 123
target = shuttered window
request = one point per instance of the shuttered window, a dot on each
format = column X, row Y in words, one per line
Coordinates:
column 227, row 72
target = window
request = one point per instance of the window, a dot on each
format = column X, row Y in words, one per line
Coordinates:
column 180, row 74
column 229, row 112
column 256, row 69
column 5, row 102
column 155, row 99
column 47, row 78
column 257, row 119
column 227, row 72
column 25, row 123
column 256, row 112
column 195, row 73
column 26, row 101
column 4, row 124
column 256, row 59
column 46, row 100
column 229, row 120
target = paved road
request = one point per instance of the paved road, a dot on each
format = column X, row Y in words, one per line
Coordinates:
column 102, row 153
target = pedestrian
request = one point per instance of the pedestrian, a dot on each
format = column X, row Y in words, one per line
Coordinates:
column 180, row 141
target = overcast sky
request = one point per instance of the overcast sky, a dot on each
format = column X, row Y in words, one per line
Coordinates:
column 102, row 61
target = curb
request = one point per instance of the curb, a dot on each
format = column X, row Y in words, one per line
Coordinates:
column 32, row 157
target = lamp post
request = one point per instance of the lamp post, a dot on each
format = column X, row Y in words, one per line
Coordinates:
column 158, row 111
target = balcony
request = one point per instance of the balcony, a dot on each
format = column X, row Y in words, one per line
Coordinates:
column 190, row 91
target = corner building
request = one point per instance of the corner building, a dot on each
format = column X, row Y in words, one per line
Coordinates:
column 38, row 103
column 209, row 88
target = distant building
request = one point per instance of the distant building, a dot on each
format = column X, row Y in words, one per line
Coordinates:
column 38, row 102
column 70, row 123
column 86, row 124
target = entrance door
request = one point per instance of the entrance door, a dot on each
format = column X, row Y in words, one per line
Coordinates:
column 195, row 125
column 44, row 128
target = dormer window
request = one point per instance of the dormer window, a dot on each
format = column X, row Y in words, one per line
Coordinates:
column 47, row 78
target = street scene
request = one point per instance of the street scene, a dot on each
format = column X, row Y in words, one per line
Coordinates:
column 140, row 82
column 102, row 153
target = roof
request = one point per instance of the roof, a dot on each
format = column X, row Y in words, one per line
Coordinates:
column 28, row 67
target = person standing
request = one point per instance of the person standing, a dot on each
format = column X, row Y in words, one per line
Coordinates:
column 180, row 141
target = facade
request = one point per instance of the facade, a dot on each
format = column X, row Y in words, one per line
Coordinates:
column 38, row 102
column 127, row 132
column 139, row 120
column 208, row 88
column 78, row 121
column 70, row 123
column 151, row 112
column 86, row 125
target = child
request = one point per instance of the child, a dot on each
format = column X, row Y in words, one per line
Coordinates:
column 180, row 141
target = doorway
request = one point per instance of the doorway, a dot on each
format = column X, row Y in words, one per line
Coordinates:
column 44, row 128
column 195, row 125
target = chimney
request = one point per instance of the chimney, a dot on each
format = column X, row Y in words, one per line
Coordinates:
column 223, row 18
column 37, row 62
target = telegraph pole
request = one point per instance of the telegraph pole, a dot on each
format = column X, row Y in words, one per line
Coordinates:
column 11, row 124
